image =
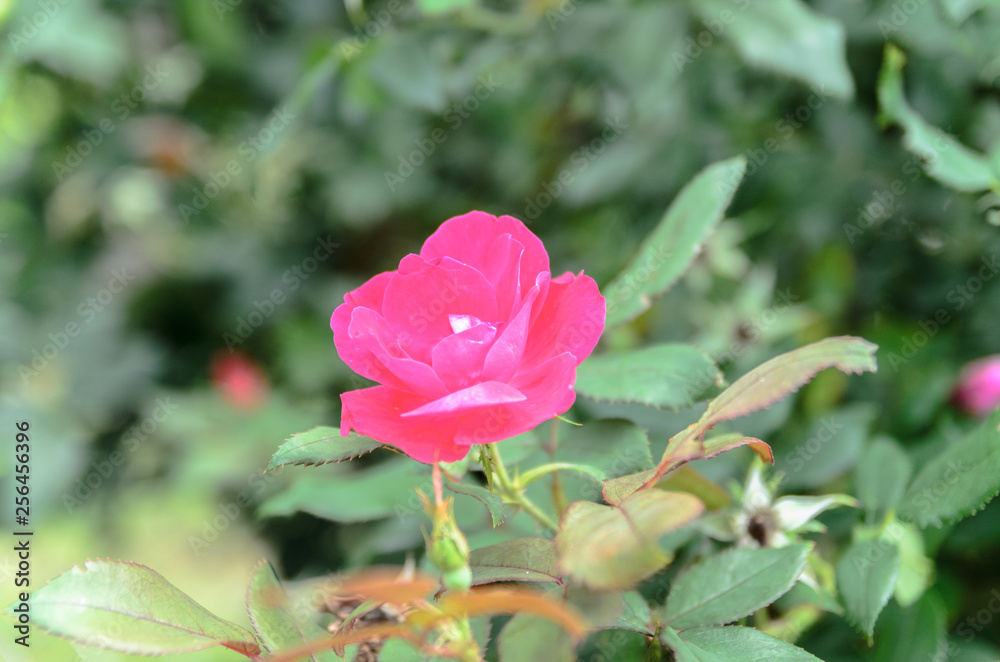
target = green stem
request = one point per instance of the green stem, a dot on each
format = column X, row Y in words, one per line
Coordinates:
column 530, row 476
column 512, row 491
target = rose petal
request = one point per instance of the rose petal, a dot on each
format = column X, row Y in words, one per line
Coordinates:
column 548, row 391
column 375, row 412
column 571, row 319
column 470, row 239
column 458, row 359
column 371, row 349
column 484, row 394
column 371, row 294
column 417, row 306
column 504, row 356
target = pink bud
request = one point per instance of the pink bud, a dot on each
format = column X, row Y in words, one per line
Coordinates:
column 978, row 388
column 239, row 380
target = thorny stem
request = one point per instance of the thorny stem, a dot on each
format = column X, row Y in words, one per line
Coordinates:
column 512, row 491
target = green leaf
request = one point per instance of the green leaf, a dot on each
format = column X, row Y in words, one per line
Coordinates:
column 736, row 644
column 733, row 584
column 671, row 248
column 828, row 448
column 787, row 37
column 273, row 617
column 518, row 560
column 915, row 568
column 636, row 614
column 129, row 608
column 671, row 376
column 775, row 379
column 527, row 637
column 608, row 547
column 492, row 501
column 344, row 495
column 913, row 633
column 321, row 445
column 866, row 575
column 881, row 475
column 617, row 490
column 959, row 481
column 945, row 159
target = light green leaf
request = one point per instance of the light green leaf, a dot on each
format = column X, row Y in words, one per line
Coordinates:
column 321, row 445
column 881, row 475
column 733, row 584
column 959, row 481
column 737, row 644
column 273, row 618
column 775, row 379
column 518, row 560
column 344, row 495
column 915, row 569
column 492, row 501
column 130, row 608
column 608, row 547
column 787, row 37
column 671, row 376
column 866, row 575
column 527, row 637
column 669, row 250
column 945, row 159
column 636, row 614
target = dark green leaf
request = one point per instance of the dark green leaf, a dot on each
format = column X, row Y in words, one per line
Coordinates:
column 129, row 608
column 913, row 633
column 866, row 575
column 345, row 495
column 733, row 584
column 519, row 560
column 881, row 475
column 321, row 445
column 959, row 481
column 669, row 250
column 671, row 376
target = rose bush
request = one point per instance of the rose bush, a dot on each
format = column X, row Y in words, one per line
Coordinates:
column 472, row 340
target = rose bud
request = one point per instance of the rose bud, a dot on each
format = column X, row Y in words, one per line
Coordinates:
column 978, row 389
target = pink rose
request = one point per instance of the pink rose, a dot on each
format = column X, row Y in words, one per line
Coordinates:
column 978, row 388
column 473, row 341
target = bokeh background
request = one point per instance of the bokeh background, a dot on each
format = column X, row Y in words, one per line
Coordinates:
column 188, row 188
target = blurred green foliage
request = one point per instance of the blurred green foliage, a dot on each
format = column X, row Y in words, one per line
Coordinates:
column 185, row 179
